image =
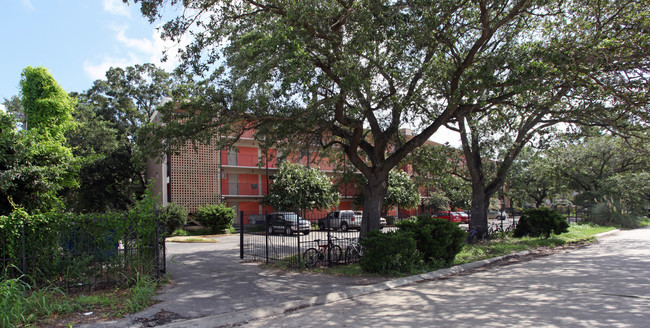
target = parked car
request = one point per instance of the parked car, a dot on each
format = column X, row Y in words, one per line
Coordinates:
column 464, row 217
column 345, row 220
column 450, row 216
column 287, row 223
column 497, row 215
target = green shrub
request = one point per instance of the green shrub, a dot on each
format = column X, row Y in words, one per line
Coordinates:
column 218, row 218
column 389, row 253
column 611, row 212
column 179, row 232
column 175, row 216
column 390, row 220
column 438, row 240
column 538, row 222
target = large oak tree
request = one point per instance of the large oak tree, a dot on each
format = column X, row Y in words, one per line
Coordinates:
column 343, row 73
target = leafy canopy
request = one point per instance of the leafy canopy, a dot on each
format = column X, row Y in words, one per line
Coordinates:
column 301, row 188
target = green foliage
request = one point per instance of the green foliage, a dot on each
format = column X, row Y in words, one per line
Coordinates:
column 438, row 168
column 389, row 253
column 304, row 188
column 179, row 232
column 48, row 108
column 613, row 212
column 437, row 240
column 436, row 201
column 532, row 178
column 175, row 217
column 110, row 115
column 390, row 220
column 600, row 166
column 538, row 222
column 218, row 218
column 141, row 293
column 401, row 192
column 36, row 164
column 81, row 250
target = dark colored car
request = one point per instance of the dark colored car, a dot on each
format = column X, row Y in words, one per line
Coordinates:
column 287, row 223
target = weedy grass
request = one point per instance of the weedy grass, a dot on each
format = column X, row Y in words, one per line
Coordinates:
column 21, row 305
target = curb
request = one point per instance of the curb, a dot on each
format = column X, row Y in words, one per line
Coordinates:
column 244, row 316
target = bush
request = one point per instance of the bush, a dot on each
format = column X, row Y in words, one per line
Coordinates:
column 611, row 212
column 538, row 222
column 389, row 253
column 438, row 240
column 390, row 220
column 175, row 217
column 218, row 218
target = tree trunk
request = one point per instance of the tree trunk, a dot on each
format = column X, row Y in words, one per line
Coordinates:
column 374, row 194
column 480, row 201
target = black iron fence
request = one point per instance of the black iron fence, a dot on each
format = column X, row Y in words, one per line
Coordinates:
column 81, row 252
column 296, row 247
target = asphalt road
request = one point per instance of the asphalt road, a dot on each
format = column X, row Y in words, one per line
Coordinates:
column 602, row 285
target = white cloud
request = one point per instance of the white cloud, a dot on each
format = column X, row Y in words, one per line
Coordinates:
column 98, row 71
column 116, row 7
column 27, row 4
column 2, row 108
column 141, row 45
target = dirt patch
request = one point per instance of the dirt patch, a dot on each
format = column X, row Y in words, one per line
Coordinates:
column 160, row 318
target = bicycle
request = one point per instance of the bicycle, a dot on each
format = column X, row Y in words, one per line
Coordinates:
column 312, row 256
column 473, row 235
column 497, row 230
column 353, row 252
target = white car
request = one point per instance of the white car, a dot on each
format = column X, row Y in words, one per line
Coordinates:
column 497, row 215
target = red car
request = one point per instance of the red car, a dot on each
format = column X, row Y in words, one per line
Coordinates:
column 451, row 216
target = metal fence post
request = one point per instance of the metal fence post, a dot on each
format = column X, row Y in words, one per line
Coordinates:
column 266, row 234
column 24, row 258
column 241, row 235
column 298, row 234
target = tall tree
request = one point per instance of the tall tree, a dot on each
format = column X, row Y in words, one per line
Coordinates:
column 592, row 167
column 590, row 67
column 110, row 115
column 36, row 163
column 532, row 179
column 345, row 73
column 14, row 106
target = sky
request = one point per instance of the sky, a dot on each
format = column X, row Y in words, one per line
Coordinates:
column 79, row 40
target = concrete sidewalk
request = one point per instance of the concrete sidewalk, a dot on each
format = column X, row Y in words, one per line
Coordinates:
column 212, row 288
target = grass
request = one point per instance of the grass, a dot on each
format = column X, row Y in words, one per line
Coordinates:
column 198, row 239
column 484, row 250
column 22, row 306
column 509, row 245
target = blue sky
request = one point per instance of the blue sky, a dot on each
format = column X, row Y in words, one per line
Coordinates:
column 77, row 40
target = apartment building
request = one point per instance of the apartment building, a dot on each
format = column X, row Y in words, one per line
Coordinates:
column 239, row 176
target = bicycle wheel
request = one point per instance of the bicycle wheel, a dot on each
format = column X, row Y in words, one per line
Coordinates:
column 472, row 237
column 352, row 255
column 311, row 257
column 335, row 253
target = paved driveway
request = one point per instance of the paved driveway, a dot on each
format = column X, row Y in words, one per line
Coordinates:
column 209, row 279
column 603, row 285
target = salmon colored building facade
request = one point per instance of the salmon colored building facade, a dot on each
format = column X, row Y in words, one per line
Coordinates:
column 239, row 177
